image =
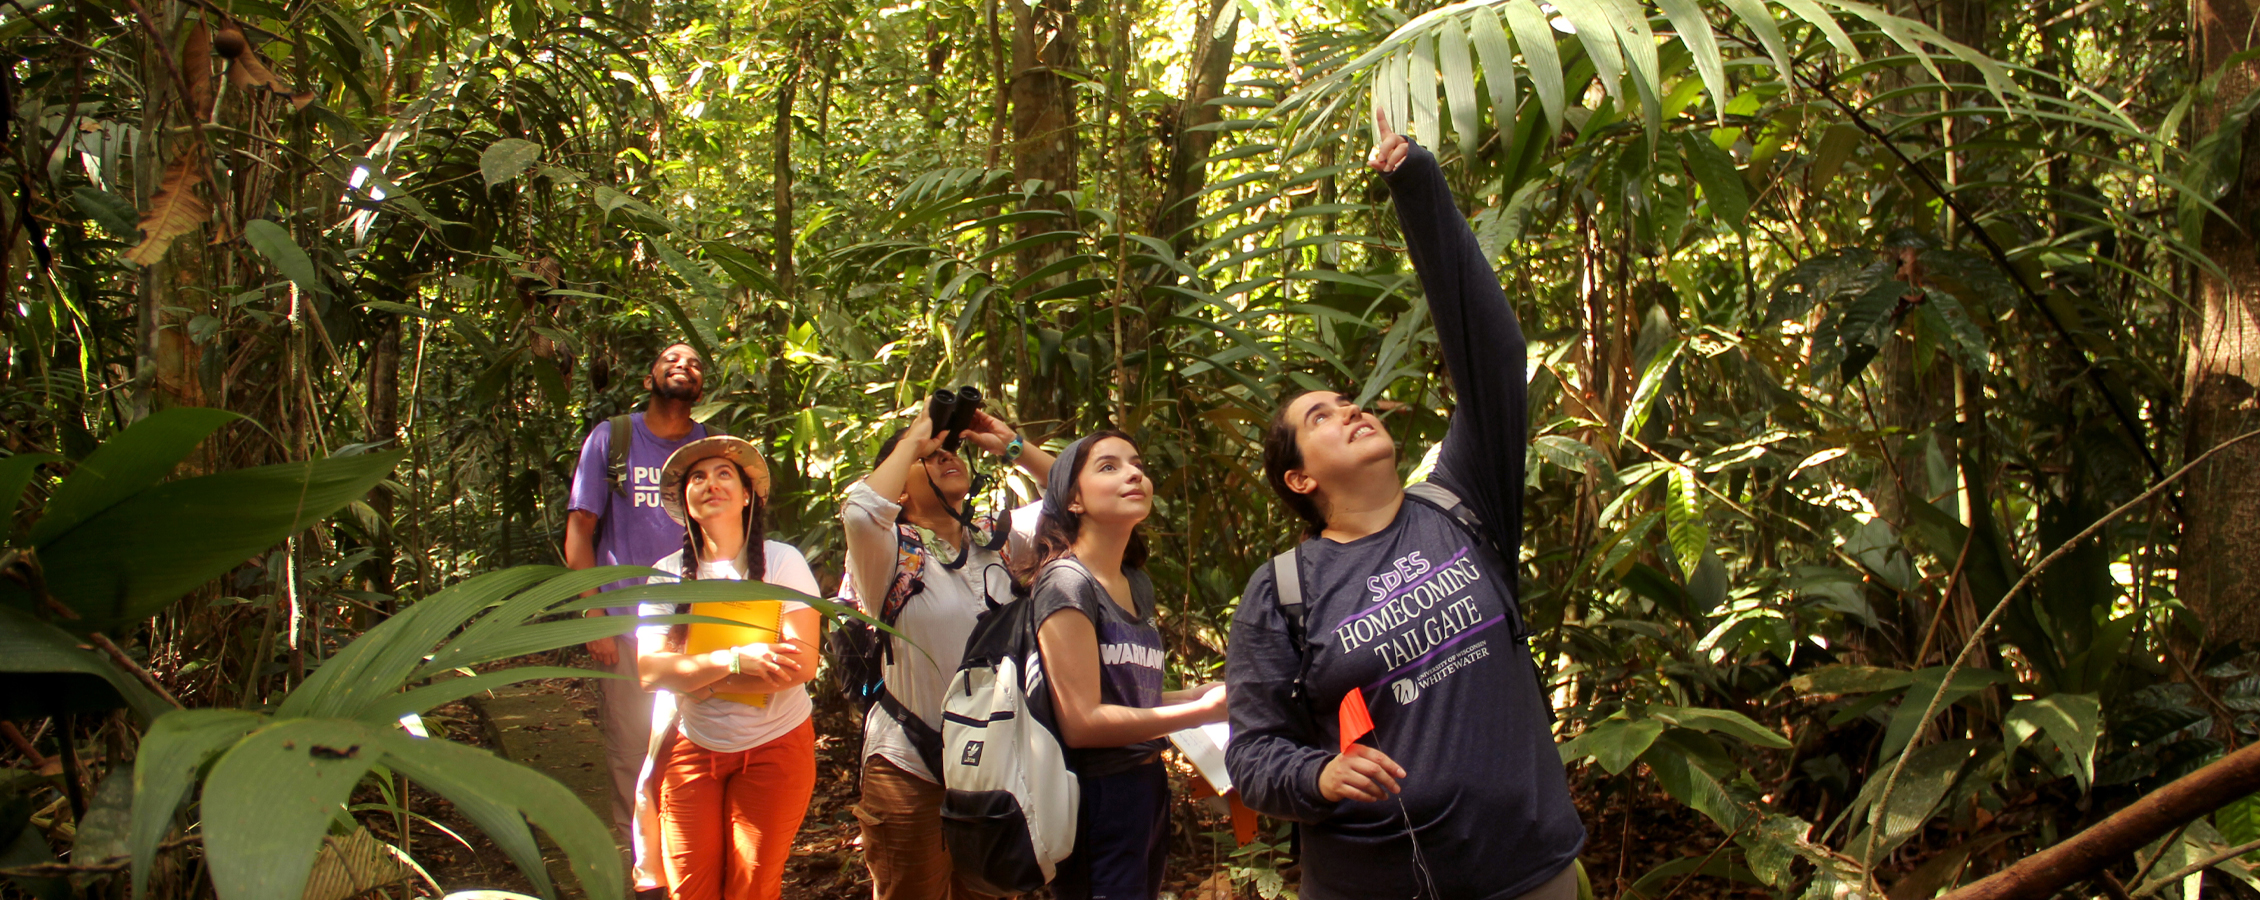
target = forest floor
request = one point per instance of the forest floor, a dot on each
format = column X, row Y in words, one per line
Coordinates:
column 551, row 726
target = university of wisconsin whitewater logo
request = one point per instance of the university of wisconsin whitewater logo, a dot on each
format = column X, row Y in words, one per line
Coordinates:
column 1406, row 690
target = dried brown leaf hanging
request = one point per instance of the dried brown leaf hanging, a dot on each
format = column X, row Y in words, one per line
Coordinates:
column 173, row 211
column 247, row 72
column 230, row 43
column 196, row 69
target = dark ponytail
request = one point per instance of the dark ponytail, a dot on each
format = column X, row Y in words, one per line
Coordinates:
column 1281, row 454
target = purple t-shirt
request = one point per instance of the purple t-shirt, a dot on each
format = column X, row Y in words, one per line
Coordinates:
column 1130, row 654
column 632, row 530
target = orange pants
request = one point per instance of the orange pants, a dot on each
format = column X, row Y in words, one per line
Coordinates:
column 730, row 818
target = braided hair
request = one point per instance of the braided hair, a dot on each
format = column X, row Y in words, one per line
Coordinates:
column 756, row 540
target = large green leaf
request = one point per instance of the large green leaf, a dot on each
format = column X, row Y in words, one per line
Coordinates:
column 15, row 473
column 1628, row 20
column 1908, row 718
column 507, row 159
column 1541, row 58
column 1721, row 721
column 391, row 708
column 456, row 771
column 128, row 463
column 2071, row 721
column 1458, row 70
column 1497, row 54
column 1691, row 784
column 1614, row 743
column 1696, row 35
column 1722, row 184
column 1651, row 384
column 1683, row 518
column 44, row 670
column 1921, row 786
column 273, row 241
column 1598, row 34
column 526, row 604
column 102, row 833
column 184, row 533
column 270, row 799
column 2239, row 823
column 379, row 663
column 173, row 751
column 1851, row 680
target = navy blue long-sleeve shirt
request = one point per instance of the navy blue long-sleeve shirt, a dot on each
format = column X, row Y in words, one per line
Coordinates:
column 1420, row 617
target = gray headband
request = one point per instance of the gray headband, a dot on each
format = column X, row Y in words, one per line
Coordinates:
column 1059, row 488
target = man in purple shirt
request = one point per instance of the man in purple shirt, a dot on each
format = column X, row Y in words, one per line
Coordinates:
column 615, row 519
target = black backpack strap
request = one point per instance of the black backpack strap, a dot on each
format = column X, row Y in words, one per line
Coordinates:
column 616, row 455
column 922, row 736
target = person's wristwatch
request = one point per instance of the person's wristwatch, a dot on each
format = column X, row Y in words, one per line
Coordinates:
column 1013, row 449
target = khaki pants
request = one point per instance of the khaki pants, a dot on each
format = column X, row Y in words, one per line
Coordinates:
column 624, row 714
column 902, row 836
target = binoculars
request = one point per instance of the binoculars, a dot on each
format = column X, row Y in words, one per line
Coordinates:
column 952, row 413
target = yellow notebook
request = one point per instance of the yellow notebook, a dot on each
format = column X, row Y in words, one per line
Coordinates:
column 759, row 622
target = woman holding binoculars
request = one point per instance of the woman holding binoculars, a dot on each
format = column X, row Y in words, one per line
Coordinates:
column 921, row 561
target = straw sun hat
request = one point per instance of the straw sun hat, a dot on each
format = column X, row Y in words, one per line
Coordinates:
column 737, row 449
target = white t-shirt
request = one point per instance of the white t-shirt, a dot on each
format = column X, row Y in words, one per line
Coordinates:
column 938, row 619
column 727, row 726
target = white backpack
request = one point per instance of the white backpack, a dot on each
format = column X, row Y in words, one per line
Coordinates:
column 1009, row 811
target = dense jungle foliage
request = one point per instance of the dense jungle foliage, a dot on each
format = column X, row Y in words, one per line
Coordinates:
column 1870, row 344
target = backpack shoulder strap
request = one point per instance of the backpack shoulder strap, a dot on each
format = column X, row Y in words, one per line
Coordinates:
column 616, row 454
column 1287, row 578
column 1287, row 582
column 1443, row 498
column 910, row 570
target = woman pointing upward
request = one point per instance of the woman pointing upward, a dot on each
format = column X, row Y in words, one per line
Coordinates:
column 1410, row 601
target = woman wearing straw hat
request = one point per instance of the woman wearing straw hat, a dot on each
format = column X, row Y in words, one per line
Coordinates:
column 733, row 754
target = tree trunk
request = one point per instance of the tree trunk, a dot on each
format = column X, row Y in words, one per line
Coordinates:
column 782, row 177
column 174, row 290
column 1044, row 45
column 1214, row 39
column 2221, row 535
column 1000, row 354
column 384, row 425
